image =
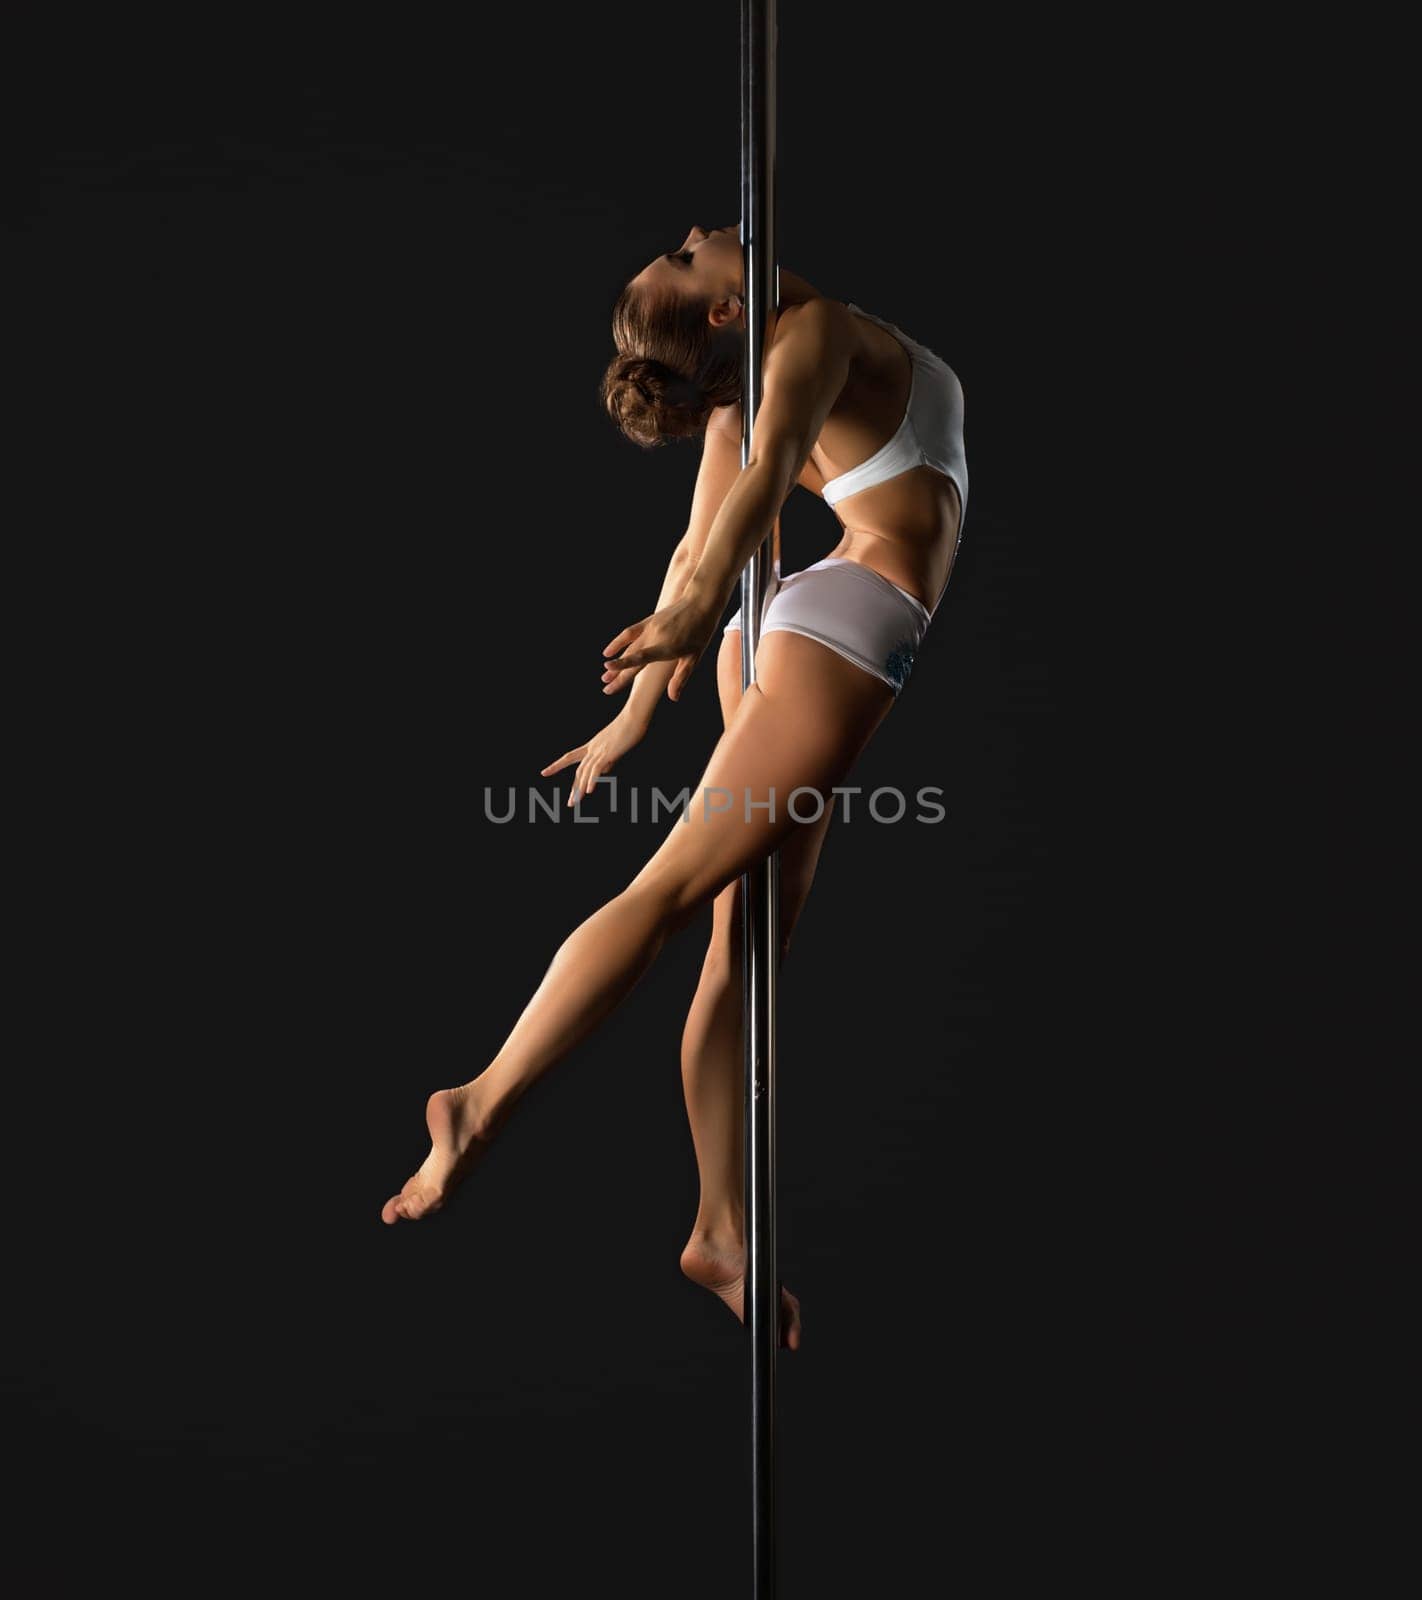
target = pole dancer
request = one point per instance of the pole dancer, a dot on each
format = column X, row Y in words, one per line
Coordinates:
column 864, row 417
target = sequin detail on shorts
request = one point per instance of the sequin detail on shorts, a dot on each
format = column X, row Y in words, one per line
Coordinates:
column 899, row 664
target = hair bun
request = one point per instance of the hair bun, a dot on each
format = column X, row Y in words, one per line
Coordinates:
column 651, row 402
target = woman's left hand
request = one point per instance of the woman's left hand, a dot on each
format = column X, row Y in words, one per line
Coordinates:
column 679, row 632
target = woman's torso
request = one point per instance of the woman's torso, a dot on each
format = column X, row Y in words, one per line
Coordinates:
column 905, row 527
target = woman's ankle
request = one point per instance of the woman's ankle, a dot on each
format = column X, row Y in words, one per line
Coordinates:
column 484, row 1109
column 723, row 1229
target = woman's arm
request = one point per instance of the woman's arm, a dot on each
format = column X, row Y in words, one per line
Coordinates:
column 719, row 469
column 720, row 466
column 805, row 370
column 650, row 685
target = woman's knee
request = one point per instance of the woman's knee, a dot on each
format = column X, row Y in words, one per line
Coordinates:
column 657, row 904
column 725, row 941
column 727, row 931
column 678, row 898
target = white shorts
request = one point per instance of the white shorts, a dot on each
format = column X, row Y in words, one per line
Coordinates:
column 854, row 610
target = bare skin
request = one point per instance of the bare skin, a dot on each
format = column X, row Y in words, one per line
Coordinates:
column 803, row 722
column 905, row 528
column 712, row 1065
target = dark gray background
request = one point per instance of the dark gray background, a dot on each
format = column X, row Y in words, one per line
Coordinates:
column 324, row 317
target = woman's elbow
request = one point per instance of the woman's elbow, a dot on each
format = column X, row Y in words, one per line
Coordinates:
column 778, row 468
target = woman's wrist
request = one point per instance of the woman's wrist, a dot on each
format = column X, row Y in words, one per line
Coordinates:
column 635, row 715
column 705, row 595
column 642, row 697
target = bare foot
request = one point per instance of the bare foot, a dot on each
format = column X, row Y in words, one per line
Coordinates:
column 459, row 1135
column 720, row 1266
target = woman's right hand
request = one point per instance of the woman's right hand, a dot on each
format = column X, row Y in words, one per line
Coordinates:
column 601, row 752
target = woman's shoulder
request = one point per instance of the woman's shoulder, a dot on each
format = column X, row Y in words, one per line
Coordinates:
column 827, row 326
column 819, row 313
column 820, row 318
column 726, row 419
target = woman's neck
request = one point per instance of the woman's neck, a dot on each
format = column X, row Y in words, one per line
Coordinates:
column 795, row 290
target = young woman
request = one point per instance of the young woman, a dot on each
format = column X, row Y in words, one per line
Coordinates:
column 871, row 421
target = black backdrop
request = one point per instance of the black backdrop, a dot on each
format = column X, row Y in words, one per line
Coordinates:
column 324, row 319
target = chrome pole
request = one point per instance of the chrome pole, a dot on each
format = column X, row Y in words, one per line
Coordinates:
column 760, row 887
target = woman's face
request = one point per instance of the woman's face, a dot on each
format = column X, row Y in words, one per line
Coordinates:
column 707, row 265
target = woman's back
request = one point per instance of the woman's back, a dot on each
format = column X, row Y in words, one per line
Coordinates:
column 892, row 457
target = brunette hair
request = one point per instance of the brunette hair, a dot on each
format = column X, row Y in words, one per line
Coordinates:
column 672, row 368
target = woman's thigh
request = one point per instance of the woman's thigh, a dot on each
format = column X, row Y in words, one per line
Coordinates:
column 800, row 848
column 800, row 725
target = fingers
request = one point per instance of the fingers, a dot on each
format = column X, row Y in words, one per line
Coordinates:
column 685, row 666
column 589, row 771
column 563, row 760
column 630, row 658
column 626, row 637
column 583, row 783
column 624, row 675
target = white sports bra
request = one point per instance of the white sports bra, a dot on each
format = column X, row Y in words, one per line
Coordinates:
column 931, row 431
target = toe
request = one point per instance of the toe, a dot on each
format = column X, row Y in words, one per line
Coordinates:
column 417, row 1203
